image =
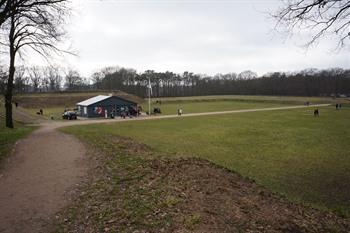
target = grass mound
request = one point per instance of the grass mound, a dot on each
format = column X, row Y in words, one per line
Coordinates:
column 289, row 152
column 131, row 190
column 9, row 136
column 65, row 99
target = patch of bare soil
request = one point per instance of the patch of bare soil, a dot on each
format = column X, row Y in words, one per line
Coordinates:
column 129, row 146
column 133, row 191
column 227, row 202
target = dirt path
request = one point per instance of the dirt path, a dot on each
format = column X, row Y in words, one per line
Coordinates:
column 37, row 182
column 59, row 124
column 45, row 168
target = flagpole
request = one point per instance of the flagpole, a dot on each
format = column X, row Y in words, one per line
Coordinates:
column 149, row 96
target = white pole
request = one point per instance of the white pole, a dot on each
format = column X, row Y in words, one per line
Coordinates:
column 149, row 96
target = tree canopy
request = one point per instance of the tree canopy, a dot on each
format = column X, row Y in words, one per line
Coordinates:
column 34, row 24
column 321, row 18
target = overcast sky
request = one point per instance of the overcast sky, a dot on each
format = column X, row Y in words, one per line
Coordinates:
column 208, row 36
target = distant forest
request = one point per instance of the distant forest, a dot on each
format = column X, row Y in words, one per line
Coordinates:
column 309, row 82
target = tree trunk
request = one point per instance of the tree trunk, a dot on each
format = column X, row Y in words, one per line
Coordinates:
column 9, row 88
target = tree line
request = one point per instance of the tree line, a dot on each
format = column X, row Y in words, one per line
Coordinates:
column 309, row 82
column 44, row 79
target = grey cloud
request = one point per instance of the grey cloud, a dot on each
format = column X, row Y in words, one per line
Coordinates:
column 199, row 36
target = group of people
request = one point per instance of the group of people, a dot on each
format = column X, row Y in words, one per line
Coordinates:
column 317, row 112
column 126, row 111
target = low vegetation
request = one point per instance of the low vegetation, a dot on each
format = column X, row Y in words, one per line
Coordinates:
column 157, row 186
column 54, row 113
column 251, row 98
column 196, row 104
column 9, row 136
column 207, row 105
column 54, row 104
column 186, row 174
column 63, row 99
column 289, row 152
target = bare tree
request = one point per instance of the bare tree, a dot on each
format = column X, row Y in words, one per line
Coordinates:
column 9, row 8
column 54, row 77
column 38, row 28
column 35, row 75
column 97, row 78
column 320, row 17
column 3, row 79
column 20, row 81
column 73, row 80
column 247, row 75
column 44, row 82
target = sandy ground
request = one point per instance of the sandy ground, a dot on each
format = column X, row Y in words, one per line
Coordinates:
column 46, row 166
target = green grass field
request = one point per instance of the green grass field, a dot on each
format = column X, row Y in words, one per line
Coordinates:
column 63, row 99
column 55, row 112
column 190, row 106
column 9, row 136
column 53, row 104
column 170, row 106
column 196, row 104
column 290, row 152
column 252, row 98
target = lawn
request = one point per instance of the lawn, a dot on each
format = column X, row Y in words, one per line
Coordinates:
column 53, row 104
column 62, row 99
column 9, row 136
column 196, row 104
column 290, row 152
column 253, row 98
column 48, row 113
column 207, row 105
column 170, row 106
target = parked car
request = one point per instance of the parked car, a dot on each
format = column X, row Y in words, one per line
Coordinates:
column 69, row 115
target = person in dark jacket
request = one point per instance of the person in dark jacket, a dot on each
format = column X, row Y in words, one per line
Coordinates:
column 316, row 113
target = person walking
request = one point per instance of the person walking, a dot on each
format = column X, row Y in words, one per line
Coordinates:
column 178, row 112
column 316, row 113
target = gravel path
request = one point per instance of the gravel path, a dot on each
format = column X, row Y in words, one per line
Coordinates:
column 47, row 165
column 38, row 179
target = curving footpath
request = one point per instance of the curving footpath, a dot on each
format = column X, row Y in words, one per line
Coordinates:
column 58, row 124
column 45, row 168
